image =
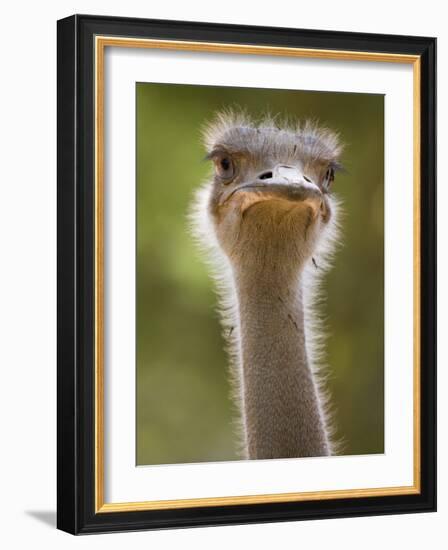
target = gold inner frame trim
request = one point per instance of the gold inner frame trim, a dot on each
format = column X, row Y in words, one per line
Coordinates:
column 101, row 42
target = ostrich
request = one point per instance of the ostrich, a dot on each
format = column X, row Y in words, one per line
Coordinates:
column 268, row 221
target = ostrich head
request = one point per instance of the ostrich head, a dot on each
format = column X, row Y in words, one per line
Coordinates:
column 271, row 190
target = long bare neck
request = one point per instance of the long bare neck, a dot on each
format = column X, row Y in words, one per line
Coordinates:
column 282, row 411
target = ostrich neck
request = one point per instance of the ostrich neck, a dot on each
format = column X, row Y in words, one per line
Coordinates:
column 281, row 404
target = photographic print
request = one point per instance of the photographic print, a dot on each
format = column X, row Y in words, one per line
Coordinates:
column 260, row 273
column 246, row 274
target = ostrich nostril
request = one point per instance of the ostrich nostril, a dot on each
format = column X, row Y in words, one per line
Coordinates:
column 265, row 176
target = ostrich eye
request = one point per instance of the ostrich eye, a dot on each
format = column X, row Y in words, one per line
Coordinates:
column 225, row 168
column 329, row 178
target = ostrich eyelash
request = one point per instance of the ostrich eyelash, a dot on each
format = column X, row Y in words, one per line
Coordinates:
column 329, row 176
column 217, row 152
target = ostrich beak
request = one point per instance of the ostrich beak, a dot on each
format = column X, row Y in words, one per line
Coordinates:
column 286, row 182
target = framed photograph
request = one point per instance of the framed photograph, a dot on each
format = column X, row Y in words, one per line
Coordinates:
column 246, row 274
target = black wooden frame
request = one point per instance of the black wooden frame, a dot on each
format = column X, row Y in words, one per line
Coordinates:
column 75, row 475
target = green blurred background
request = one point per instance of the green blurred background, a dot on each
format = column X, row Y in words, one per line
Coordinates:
column 184, row 413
